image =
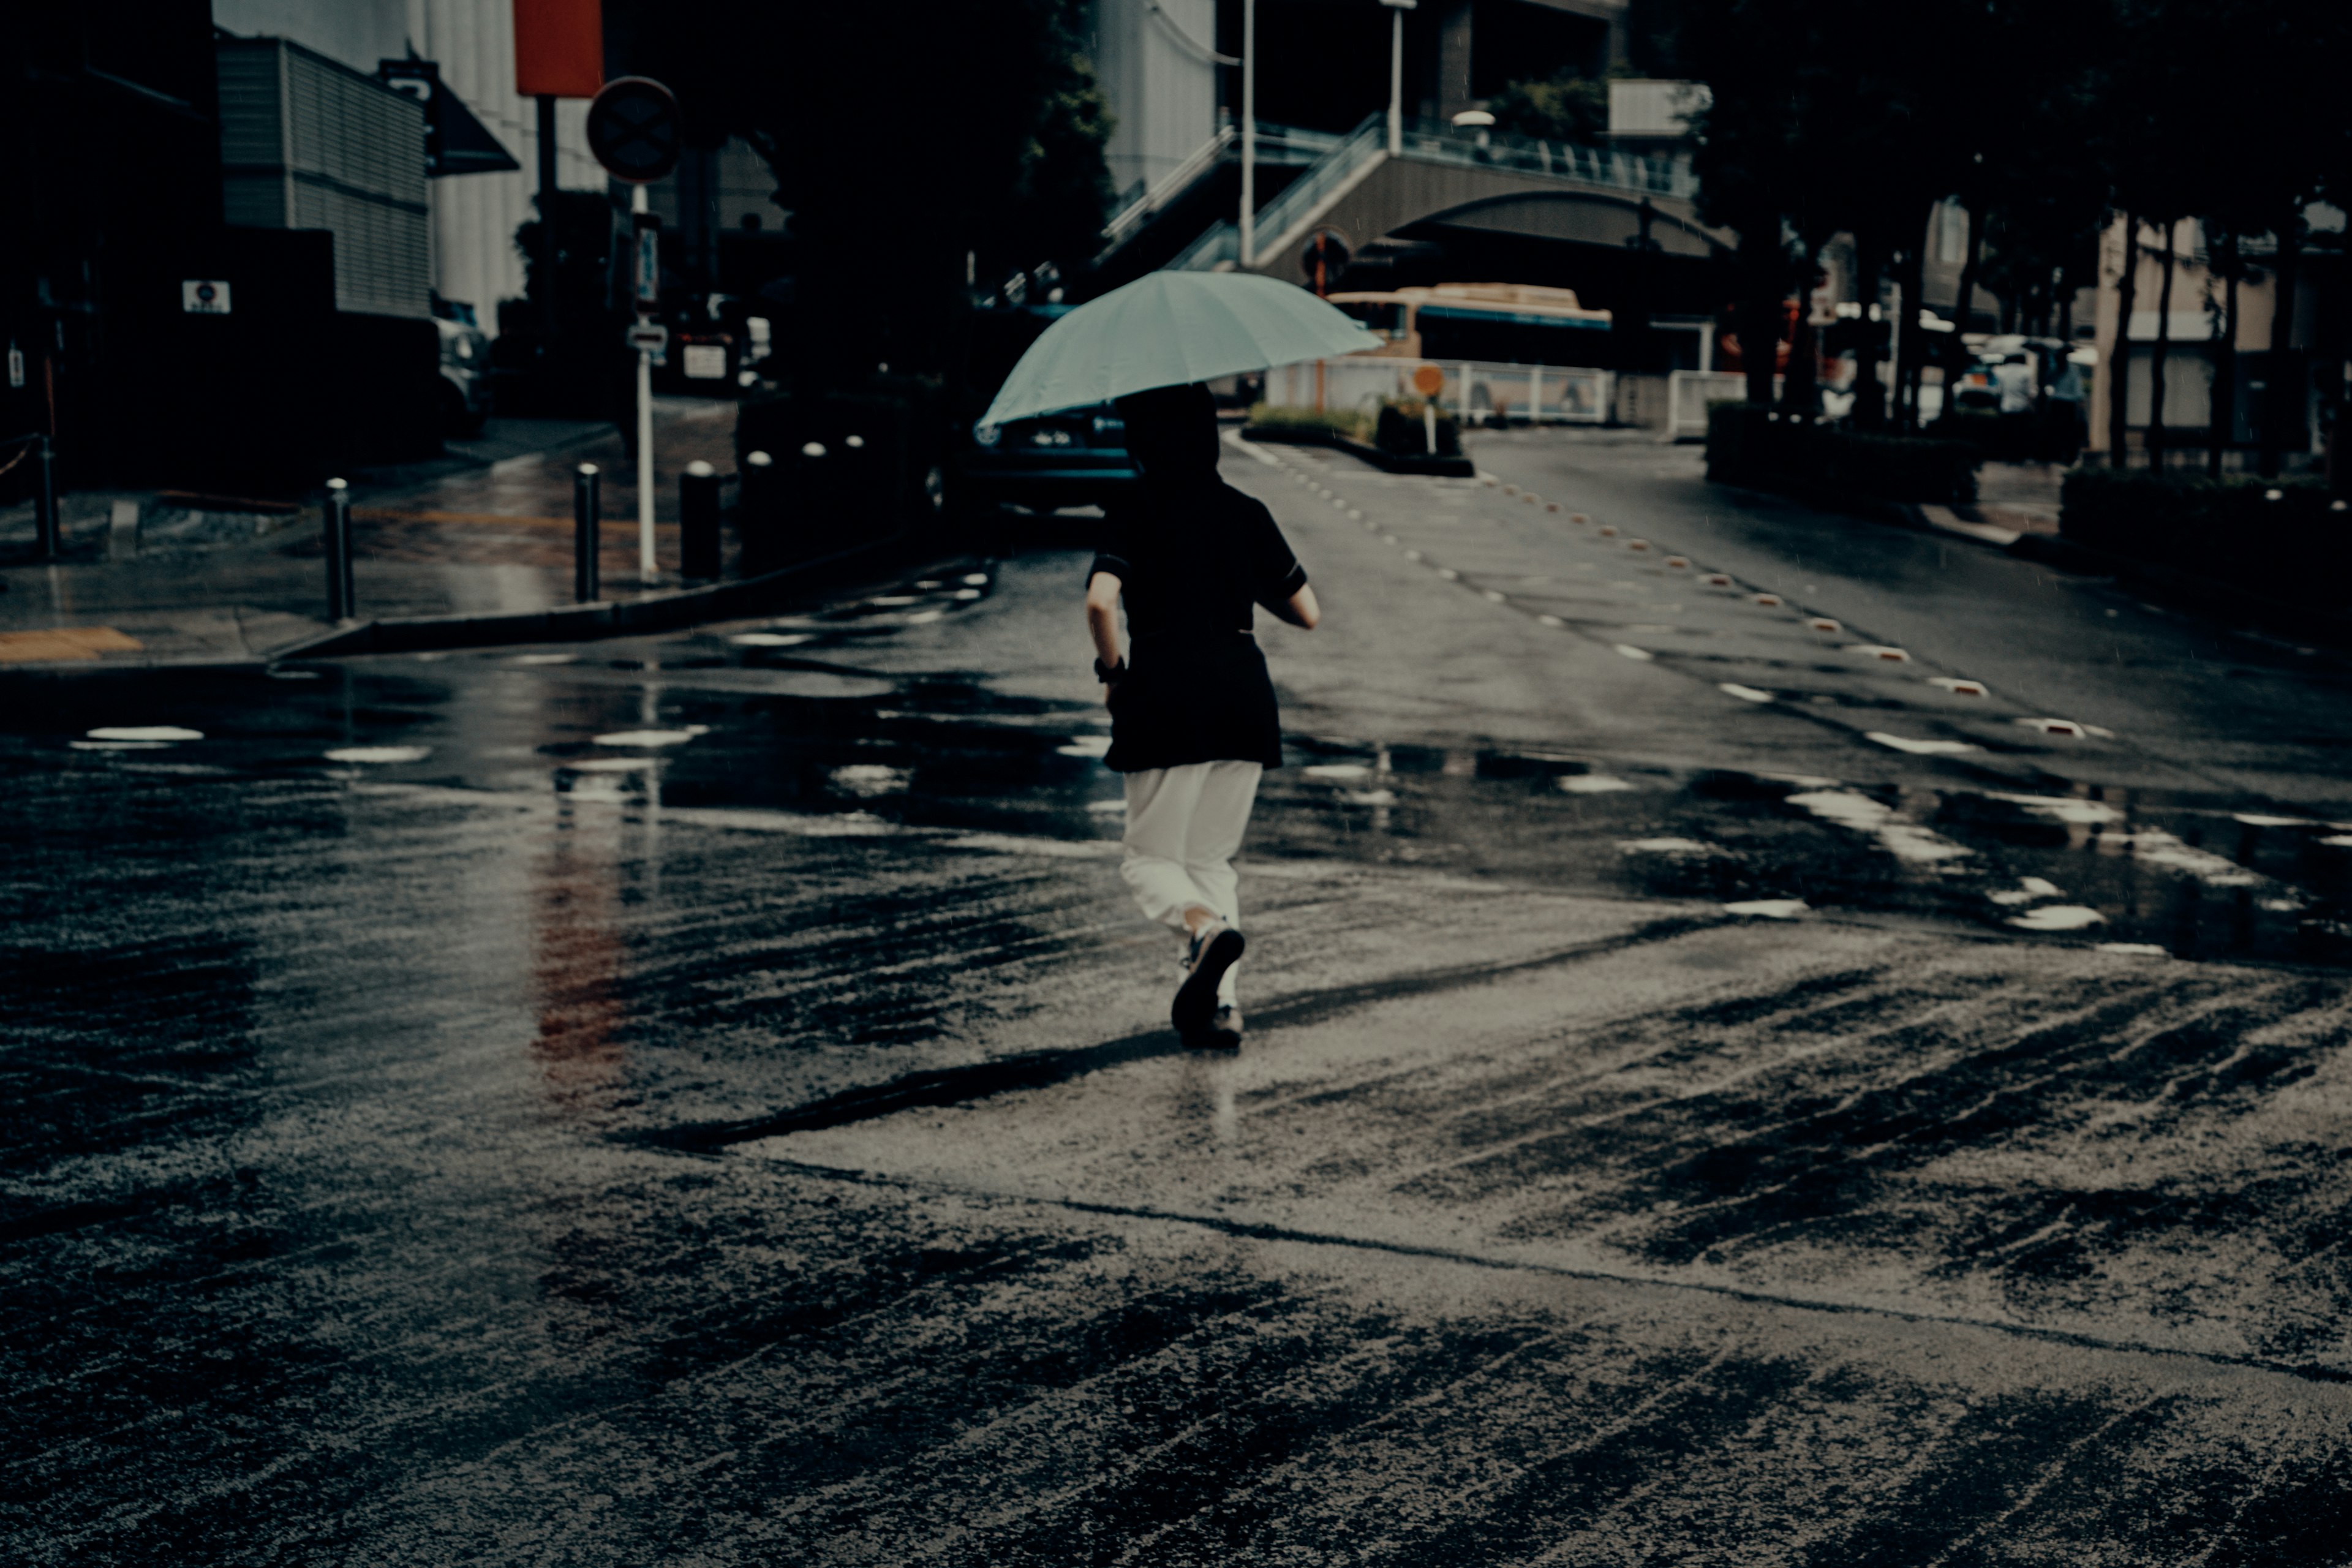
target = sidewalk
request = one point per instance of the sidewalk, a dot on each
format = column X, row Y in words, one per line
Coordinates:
column 484, row 531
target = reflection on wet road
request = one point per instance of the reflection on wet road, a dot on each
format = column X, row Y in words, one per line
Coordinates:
column 707, row 1097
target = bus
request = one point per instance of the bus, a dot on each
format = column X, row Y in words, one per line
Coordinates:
column 1502, row 323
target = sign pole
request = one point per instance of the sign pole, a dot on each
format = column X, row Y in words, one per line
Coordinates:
column 649, row 292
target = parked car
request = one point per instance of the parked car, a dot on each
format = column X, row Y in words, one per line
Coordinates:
column 465, row 389
column 1074, row 458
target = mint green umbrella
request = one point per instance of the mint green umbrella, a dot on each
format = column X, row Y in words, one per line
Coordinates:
column 1168, row 329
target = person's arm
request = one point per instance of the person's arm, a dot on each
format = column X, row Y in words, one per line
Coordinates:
column 1301, row 609
column 1102, row 620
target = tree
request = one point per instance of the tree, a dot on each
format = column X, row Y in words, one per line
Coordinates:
column 905, row 147
column 1568, row 108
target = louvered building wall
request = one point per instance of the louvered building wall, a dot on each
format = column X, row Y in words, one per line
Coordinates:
column 308, row 143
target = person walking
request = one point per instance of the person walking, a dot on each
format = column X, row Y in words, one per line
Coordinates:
column 1194, row 718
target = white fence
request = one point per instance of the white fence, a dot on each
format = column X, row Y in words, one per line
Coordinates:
column 1690, row 393
column 1530, row 394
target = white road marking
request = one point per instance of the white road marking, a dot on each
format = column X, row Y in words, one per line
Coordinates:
column 1957, row 687
column 1108, row 807
column 872, row 778
column 155, row 732
column 1923, row 748
column 2073, row 813
column 653, row 737
column 1593, row 783
column 2132, row 948
column 1873, row 650
column 1667, row 847
column 1904, row 840
column 1745, row 693
column 379, row 753
column 1630, row 651
column 1338, row 771
column 2253, row 819
column 1769, row 909
column 574, row 657
column 2058, row 917
column 1556, row 621
column 1084, row 746
column 783, row 639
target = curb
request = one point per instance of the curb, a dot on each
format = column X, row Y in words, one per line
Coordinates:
column 579, row 623
column 2203, row 595
column 1436, row 468
column 567, row 623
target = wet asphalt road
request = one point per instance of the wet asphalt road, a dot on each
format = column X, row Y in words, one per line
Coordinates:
column 1713, row 1095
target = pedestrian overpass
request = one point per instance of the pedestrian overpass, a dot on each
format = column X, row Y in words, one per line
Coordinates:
column 1619, row 225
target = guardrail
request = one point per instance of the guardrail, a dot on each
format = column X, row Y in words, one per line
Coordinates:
column 1481, row 391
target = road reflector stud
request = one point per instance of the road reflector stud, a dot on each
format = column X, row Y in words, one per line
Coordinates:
column 1551, row 506
column 1823, row 623
column 1718, row 580
column 1529, row 498
column 1637, row 544
column 2054, row 726
column 1960, row 688
column 1608, row 530
column 1679, row 563
column 1510, row 489
column 1767, row 599
column 1578, row 517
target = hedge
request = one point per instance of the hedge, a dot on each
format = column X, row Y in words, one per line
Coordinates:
column 1748, row 444
column 2286, row 539
column 1397, row 429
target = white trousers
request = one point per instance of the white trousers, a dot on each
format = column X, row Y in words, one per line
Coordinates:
column 1185, row 825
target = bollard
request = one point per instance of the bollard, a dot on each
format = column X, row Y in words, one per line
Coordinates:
column 44, row 500
column 758, row 527
column 584, row 534
column 698, row 516
column 340, row 605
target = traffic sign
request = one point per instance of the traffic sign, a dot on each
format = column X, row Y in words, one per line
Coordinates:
column 1429, row 381
column 1325, row 256
column 635, row 131
column 649, row 337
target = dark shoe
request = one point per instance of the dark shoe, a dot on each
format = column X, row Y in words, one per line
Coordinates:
column 1223, row 1032
column 1217, row 949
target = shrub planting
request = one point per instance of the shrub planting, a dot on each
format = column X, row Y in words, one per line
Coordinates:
column 1750, row 444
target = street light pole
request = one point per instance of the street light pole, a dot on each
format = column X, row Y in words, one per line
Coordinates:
column 1397, row 8
column 648, row 294
column 1249, row 131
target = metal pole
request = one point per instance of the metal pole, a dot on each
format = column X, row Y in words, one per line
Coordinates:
column 755, row 515
column 584, row 534
column 1249, row 132
column 546, row 223
column 342, row 602
column 1396, row 77
column 697, row 520
column 44, row 500
column 647, row 571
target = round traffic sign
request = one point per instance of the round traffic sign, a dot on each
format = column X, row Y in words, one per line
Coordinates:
column 1429, row 381
column 635, row 130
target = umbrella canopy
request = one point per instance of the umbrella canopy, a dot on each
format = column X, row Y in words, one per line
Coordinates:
column 1168, row 329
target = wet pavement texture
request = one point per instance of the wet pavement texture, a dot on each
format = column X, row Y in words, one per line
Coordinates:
column 1714, row 1094
column 487, row 530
